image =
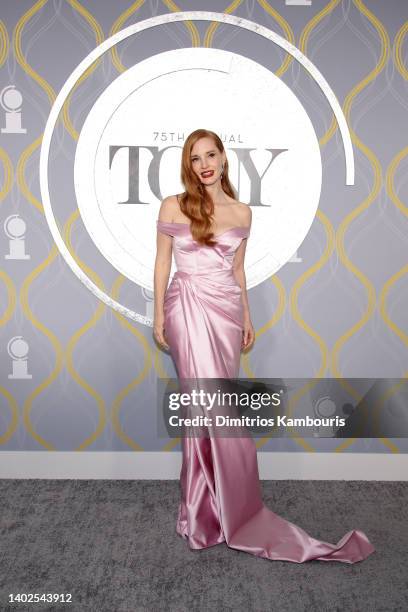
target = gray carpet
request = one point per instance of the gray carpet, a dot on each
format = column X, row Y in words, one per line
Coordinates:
column 112, row 544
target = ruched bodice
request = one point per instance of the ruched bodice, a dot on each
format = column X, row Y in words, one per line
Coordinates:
column 194, row 258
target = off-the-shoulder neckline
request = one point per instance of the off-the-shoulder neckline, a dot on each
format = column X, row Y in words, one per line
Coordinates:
column 244, row 227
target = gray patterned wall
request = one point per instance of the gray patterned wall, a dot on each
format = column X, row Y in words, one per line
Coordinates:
column 88, row 381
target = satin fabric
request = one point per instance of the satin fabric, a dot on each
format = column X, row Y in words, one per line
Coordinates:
column 221, row 497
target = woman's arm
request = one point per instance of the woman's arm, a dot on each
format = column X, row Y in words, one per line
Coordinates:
column 162, row 268
column 239, row 273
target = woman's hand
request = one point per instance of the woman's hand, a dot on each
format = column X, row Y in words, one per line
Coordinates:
column 158, row 332
column 248, row 334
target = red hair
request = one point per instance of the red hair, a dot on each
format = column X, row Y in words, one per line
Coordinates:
column 196, row 203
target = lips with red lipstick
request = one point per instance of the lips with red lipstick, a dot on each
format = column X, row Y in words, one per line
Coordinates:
column 207, row 173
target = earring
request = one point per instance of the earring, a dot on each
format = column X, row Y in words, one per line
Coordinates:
column 222, row 170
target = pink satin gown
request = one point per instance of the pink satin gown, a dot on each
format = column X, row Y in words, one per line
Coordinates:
column 221, row 498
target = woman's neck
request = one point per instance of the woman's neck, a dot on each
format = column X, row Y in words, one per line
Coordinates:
column 216, row 192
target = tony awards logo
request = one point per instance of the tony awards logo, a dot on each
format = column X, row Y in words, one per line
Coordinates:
column 242, row 156
column 128, row 153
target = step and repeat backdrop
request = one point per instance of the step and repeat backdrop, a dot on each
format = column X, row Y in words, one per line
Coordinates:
column 310, row 100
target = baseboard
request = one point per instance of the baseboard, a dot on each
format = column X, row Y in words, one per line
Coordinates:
column 166, row 465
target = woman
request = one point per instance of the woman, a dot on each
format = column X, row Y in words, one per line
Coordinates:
column 203, row 318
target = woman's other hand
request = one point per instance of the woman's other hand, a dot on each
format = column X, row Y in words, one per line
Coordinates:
column 248, row 334
column 158, row 332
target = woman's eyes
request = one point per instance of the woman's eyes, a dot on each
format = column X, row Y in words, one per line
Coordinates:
column 196, row 158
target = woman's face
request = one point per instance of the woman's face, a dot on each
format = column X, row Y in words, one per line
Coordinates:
column 206, row 161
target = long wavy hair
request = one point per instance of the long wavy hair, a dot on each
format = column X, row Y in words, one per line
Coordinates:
column 196, row 203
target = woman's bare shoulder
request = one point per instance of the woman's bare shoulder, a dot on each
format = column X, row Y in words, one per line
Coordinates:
column 244, row 212
column 169, row 209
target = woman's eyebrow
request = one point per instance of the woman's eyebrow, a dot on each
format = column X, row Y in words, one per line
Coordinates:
column 212, row 151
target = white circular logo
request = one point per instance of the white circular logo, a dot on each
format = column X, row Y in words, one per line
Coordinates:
column 129, row 151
